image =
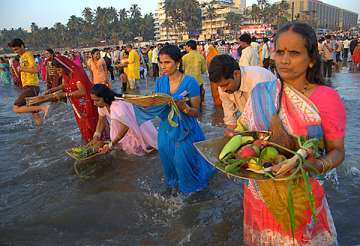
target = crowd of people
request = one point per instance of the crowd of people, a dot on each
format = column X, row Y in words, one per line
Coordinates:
column 274, row 84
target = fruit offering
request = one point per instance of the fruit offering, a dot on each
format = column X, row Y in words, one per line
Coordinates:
column 256, row 155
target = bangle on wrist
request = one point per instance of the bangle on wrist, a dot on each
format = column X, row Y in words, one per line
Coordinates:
column 325, row 165
column 186, row 110
column 110, row 145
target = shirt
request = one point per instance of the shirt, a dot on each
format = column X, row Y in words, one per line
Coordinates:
column 249, row 57
column 235, row 102
column 194, row 64
column 99, row 71
column 27, row 61
column 155, row 54
column 346, row 44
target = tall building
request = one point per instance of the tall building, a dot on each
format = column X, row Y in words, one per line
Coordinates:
column 323, row 15
column 163, row 32
column 214, row 24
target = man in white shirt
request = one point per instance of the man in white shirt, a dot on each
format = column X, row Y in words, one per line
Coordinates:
column 249, row 56
column 235, row 84
column 346, row 44
column 154, row 61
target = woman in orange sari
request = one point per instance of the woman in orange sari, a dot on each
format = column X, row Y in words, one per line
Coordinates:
column 296, row 105
column 212, row 52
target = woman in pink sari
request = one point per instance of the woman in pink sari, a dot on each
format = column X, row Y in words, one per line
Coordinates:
column 297, row 105
column 125, row 132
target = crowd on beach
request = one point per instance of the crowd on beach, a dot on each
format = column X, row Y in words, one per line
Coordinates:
column 273, row 83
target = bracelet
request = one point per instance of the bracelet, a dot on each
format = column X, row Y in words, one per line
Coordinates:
column 110, row 145
column 186, row 110
column 325, row 165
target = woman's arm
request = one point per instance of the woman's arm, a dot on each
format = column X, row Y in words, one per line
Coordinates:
column 100, row 126
column 335, row 155
column 79, row 92
column 121, row 133
column 193, row 109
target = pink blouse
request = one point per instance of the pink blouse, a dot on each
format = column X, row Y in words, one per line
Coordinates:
column 332, row 111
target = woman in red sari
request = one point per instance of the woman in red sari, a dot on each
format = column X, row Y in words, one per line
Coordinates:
column 76, row 87
column 296, row 105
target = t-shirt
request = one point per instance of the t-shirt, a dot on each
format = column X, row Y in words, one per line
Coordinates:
column 99, row 71
column 27, row 61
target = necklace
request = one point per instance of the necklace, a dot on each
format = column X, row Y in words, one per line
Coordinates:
column 306, row 88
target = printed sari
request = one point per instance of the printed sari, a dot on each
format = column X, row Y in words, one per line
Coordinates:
column 85, row 111
column 266, row 218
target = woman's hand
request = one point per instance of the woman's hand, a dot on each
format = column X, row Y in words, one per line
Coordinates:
column 104, row 149
column 228, row 132
column 285, row 167
column 181, row 104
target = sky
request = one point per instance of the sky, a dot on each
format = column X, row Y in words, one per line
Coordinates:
column 14, row 14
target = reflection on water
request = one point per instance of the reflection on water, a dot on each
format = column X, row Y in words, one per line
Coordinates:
column 42, row 202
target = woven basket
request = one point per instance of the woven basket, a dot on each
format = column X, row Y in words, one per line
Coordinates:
column 156, row 99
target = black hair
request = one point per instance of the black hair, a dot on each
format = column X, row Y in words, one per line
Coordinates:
column 51, row 51
column 105, row 93
column 192, row 44
column 313, row 74
column 171, row 50
column 93, row 51
column 57, row 64
column 17, row 42
column 222, row 66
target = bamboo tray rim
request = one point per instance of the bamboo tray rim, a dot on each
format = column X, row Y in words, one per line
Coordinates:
column 244, row 174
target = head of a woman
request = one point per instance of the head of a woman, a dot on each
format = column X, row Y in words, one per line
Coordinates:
column 296, row 53
column 61, row 70
column 169, row 59
column 102, row 95
column 49, row 53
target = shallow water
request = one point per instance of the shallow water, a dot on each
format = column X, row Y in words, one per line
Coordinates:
column 42, row 201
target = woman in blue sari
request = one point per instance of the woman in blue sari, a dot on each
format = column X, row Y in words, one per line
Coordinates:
column 184, row 168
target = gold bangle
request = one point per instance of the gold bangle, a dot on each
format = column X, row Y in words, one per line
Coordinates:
column 186, row 110
column 325, row 165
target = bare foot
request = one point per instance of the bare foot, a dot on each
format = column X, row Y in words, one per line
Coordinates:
column 45, row 109
column 37, row 119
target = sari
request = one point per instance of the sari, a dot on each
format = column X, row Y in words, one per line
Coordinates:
column 212, row 52
column 184, row 168
column 266, row 220
column 5, row 77
column 85, row 111
column 139, row 139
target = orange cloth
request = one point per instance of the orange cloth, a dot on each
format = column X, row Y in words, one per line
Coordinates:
column 212, row 52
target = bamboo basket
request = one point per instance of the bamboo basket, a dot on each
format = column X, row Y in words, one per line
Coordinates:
column 31, row 101
column 156, row 99
column 211, row 148
column 73, row 154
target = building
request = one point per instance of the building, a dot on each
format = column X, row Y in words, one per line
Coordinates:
column 215, row 25
column 164, row 33
column 322, row 15
column 211, row 27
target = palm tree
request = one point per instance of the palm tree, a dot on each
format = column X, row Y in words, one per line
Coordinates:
column 74, row 26
column 233, row 20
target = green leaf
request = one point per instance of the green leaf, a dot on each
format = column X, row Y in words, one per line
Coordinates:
column 309, row 193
